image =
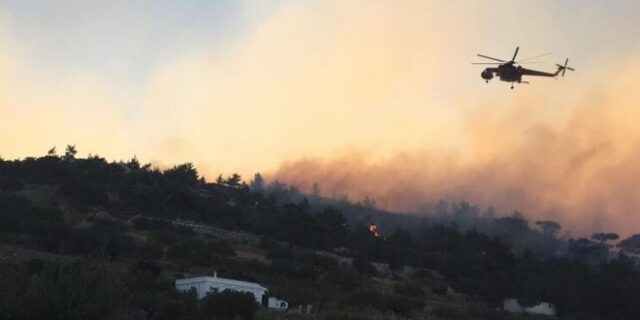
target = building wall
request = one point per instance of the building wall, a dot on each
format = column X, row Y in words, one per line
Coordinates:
column 257, row 293
column 204, row 286
column 542, row 308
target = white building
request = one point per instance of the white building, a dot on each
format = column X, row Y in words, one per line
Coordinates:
column 206, row 284
column 542, row 308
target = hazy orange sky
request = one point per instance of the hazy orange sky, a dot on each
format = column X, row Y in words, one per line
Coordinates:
column 368, row 98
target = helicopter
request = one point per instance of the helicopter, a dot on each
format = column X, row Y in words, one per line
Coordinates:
column 512, row 71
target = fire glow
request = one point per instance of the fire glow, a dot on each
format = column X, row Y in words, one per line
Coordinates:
column 373, row 229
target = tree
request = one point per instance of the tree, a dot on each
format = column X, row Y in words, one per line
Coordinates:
column 182, row 175
column 604, row 237
column 464, row 210
column 367, row 203
column 69, row 291
column 234, row 181
column 364, row 267
column 155, row 297
column 257, row 184
column 441, row 208
column 518, row 215
column 549, row 228
column 490, row 213
column 315, row 190
column 52, row 152
column 134, row 164
column 512, row 226
column 399, row 249
column 228, row 305
column 631, row 244
column 70, row 153
column 335, row 226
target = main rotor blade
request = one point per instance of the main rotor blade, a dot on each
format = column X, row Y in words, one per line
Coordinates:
column 487, row 57
column 515, row 54
column 485, row 63
column 538, row 56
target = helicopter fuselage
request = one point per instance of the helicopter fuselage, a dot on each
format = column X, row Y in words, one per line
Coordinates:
column 506, row 73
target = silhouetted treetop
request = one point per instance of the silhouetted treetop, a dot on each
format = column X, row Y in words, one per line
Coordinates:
column 604, row 237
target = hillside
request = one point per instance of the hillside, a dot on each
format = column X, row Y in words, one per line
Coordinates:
column 85, row 238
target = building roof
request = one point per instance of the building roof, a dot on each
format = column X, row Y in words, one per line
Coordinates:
column 222, row 281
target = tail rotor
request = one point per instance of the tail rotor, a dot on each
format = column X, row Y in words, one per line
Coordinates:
column 564, row 68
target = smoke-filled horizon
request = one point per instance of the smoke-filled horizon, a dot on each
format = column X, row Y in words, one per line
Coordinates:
column 581, row 170
column 378, row 96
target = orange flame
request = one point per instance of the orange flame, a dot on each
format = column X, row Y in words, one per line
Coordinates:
column 373, row 229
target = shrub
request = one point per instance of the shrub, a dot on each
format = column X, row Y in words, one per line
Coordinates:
column 142, row 223
column 439, row 289
column 364, row 267
column 150, row 250
column 75, row 290
column 229, row 305
column 411, row 289
column 199, row 252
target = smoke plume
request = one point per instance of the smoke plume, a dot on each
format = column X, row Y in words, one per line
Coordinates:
column 581, row 169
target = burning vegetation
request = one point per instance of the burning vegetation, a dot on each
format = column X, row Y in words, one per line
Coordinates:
column 373, row 229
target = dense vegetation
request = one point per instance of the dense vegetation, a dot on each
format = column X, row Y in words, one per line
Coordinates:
column 104, row 240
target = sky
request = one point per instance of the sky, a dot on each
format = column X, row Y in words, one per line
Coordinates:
column 367, row 98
